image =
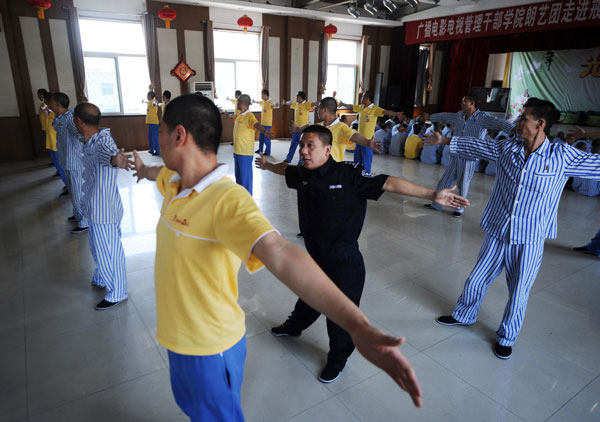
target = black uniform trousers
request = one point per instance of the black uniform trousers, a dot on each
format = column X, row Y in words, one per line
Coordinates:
column 346, row 268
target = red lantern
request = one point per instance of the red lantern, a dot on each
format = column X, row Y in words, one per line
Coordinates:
column 330, row 30
column 40, row 5
column 245, row 22
column 167, row 14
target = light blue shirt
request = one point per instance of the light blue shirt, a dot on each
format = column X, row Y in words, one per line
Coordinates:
column 432, row 154
column 586, row 187
column 384, row 137
column 524, row 201
column 70, row 140
column 101, row 200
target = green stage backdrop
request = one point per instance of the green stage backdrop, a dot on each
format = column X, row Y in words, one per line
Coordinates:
column 568, row 78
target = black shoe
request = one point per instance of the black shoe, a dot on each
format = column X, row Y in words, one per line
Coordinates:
column 257, row 151
column 65, row 192
column 105, row 304
column 300, row 236
column 429, row 206
column 448, row 320
column 585, row 250
column 51, row 165
column 232, row 143
column 57, row 174
column 329, row 374
column 72, row 219
column 286, row 161
column 282, row 331
column 502, row 352
column 266, row 155
column 78, row 230
column 457, row 214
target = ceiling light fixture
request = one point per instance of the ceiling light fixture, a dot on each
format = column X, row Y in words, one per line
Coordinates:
column 370, row 8
column 412, row 3
column 390, row 5
column 352, row 11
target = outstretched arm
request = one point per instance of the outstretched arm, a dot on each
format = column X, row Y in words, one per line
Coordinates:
column 397, row 114
column 262, row 130
column 357, row 138
column 303, row 276
column 443, row 197
column 263, row 164
column 143, row 171
column 342, row 104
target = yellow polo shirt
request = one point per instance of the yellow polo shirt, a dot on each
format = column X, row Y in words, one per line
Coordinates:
column 50, row 132
column 341, row 134
column 203, row 235
column 42, row 115
column 413, row 147
column 301, row 111
column 236, row 111
column 367, row 119
column 243, row 133
column 152, row 113
column 266, row 112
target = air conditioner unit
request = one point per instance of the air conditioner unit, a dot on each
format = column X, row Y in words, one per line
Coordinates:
column 205, row 88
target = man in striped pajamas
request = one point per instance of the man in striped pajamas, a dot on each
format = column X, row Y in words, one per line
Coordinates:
column 467, row 122
column 69, row 139
column 102, row 204
column 520, row 214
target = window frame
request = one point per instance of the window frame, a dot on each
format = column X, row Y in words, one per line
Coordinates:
column 253, row 107
column 115, row 57
column 355, row 67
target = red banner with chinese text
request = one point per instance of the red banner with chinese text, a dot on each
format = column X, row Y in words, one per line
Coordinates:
column 558, row 14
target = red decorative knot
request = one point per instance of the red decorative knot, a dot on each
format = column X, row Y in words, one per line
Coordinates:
column 245, row 22
column 167, row 14
column 182, row 71
column 330, row 30
column 40, row 5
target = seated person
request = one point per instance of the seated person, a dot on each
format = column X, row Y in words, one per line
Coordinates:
column 414, row 145
column 587, row 187
column 447, row 131
column 384, row 136
column 445, row 156
column 560, row 137
column 399, row 134
column 432, row 154
column 583, row 144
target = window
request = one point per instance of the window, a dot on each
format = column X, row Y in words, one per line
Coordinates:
column 237, row 66
column 116, row 70
column 342, row 67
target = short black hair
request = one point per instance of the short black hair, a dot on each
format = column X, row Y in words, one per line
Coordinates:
column 355, row 126
column 543, row 109
column 42, row 91
column 151, row 94
column 88, row 113
column 61, row 98
column 199, row 116
column 47, row 96
column 301, row 94
column 167, row 94
column 581, row 145
column 329, row 103
column 417, row 128
column 596, row 149
column 245, row 99
column 369, row 95
column 238, row 92
column 323, row 133
column 265, row 91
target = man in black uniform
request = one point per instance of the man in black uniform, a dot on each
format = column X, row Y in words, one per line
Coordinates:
column 331, row 206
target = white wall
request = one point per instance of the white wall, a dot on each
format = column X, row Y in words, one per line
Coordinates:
column 167, row 59
column 274, row 68
column 34, row 55
column 117, row 7
column 62, row 58
column 194, row 53
column 296, row 67
column 227, row 18
column 313, row 70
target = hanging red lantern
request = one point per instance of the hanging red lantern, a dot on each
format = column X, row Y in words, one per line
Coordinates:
column 245, row 22
column 167, row 14
column 40, row 5
column 330, row 30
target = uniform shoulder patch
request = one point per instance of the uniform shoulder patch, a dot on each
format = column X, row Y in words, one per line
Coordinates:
column 368, row 174
column 351, row 164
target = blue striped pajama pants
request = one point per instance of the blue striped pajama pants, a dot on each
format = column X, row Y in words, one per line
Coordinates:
column 75, row 178
column 521, row 263
column 459, row 172
column 107, row 250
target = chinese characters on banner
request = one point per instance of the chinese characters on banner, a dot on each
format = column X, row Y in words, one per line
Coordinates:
column 558, row 14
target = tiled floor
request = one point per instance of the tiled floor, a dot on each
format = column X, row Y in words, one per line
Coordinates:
column 60, row 360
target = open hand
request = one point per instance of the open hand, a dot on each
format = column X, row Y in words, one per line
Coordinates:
column 447, row 198
column 139, row 166
column 375, row 145
column 382, row 350
column 123, row 161
column 260, row 162
column 434, row 138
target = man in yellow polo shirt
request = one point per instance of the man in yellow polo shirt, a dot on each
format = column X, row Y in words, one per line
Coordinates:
column 341, row 133
column 266, row 119
column 368, row 113
column 152, row 122
column 243, row 142
column 301, row 109
column 208, row 226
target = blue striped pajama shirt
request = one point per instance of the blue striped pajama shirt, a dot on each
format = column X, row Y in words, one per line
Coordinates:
column 71, row 145
column 520, row 214
column 103, row 208
column 460, row 170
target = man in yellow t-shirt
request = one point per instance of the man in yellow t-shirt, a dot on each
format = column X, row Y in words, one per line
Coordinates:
column 301, row 109
column 243, row 142
column 413, row 147
column 208, row 227
column 152, row 122
column 342, row 134
column 368, row 113
column 266, row 119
